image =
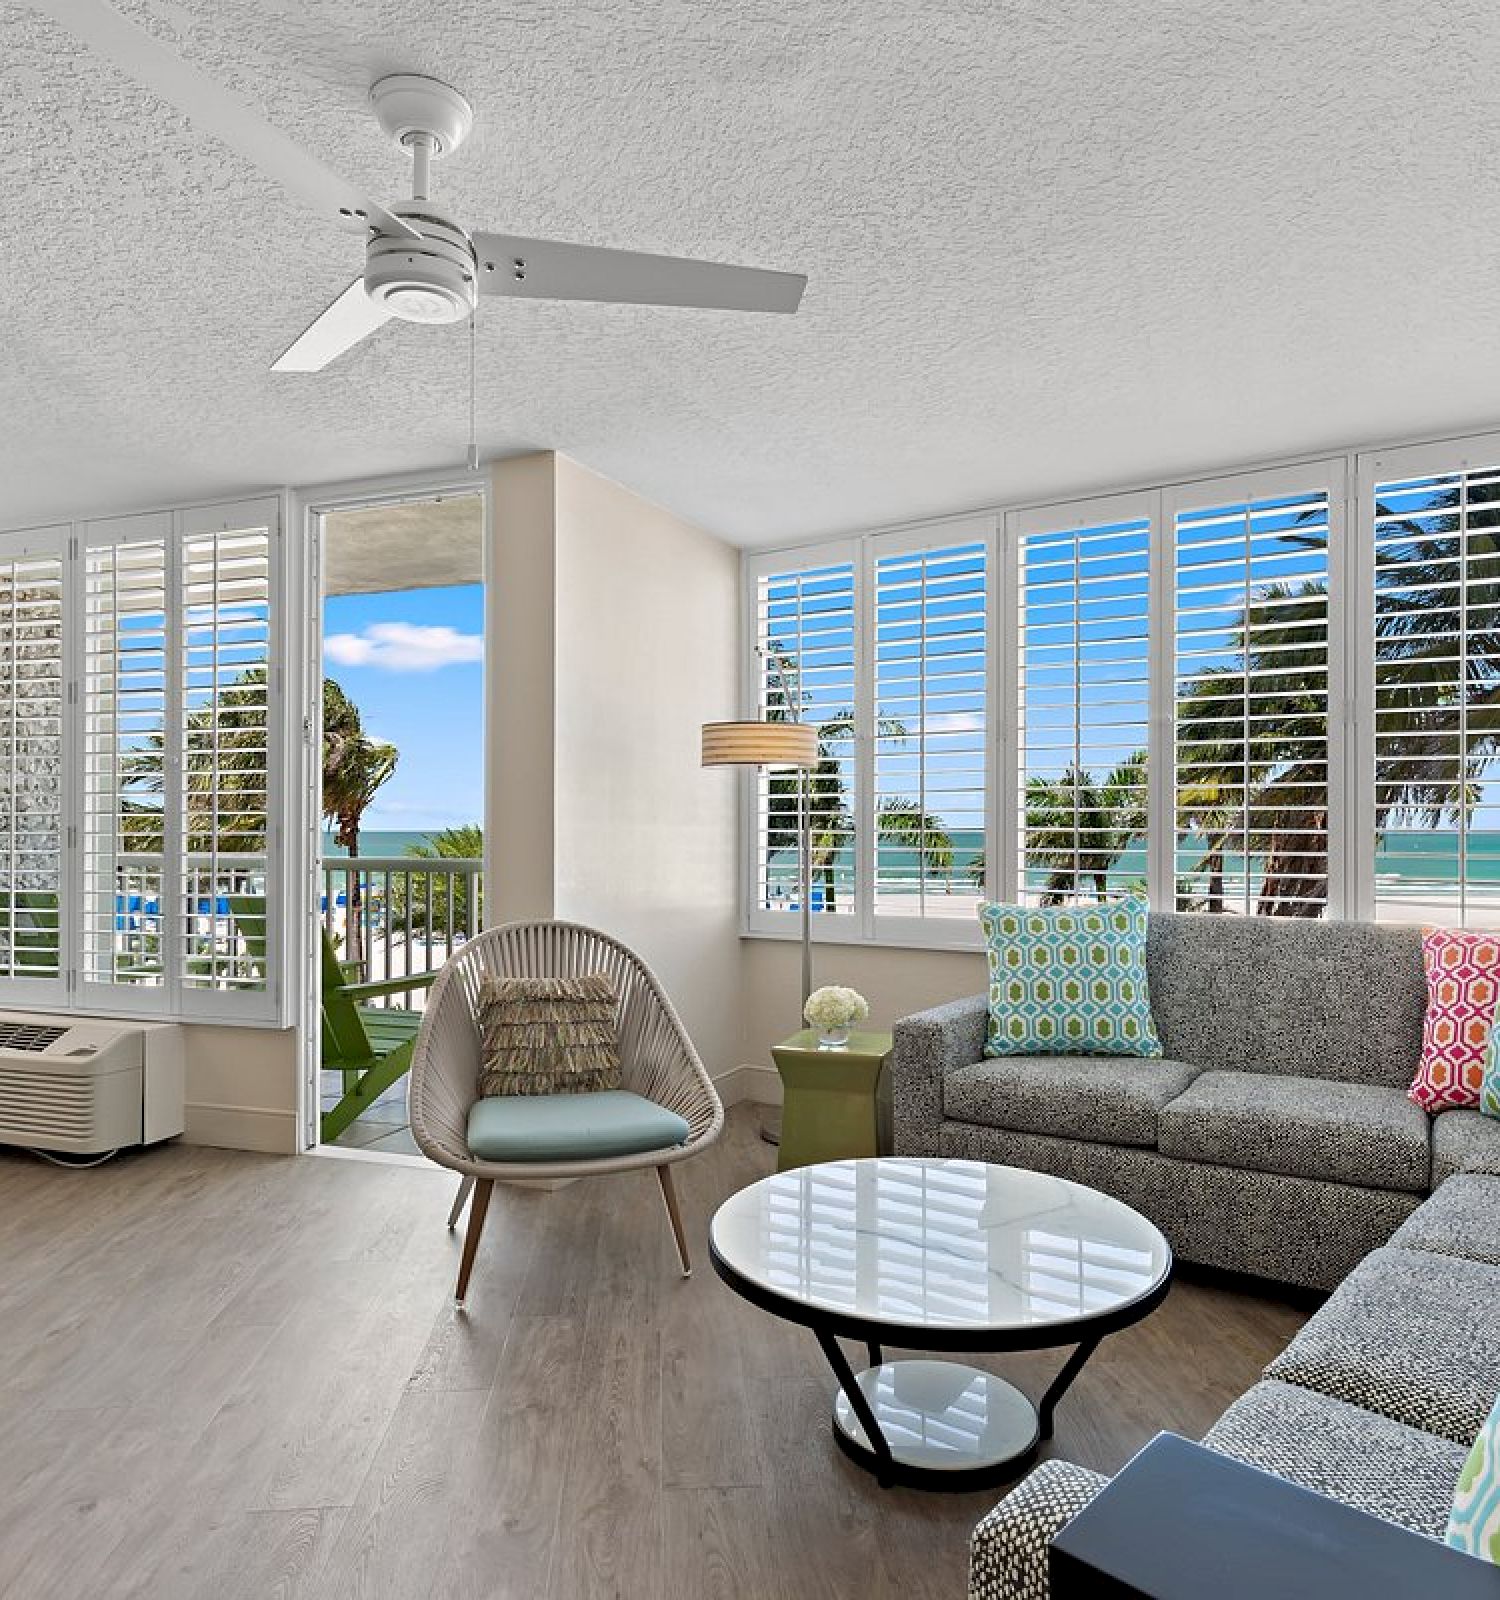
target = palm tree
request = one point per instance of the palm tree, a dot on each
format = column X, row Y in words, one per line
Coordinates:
column 1252, row 763
column 224, row 764
column 898, row 821
column 445, row 904
column 1078, row 828
column 354, row 768
column 1271, row 788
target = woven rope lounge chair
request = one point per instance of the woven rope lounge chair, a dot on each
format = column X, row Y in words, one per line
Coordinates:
column 657, row 1060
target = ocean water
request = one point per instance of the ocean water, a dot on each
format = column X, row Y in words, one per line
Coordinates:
column 1407, row 862
column 381, row 842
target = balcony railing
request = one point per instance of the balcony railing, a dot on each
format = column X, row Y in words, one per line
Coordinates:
column 392, row 916
column 388, row 916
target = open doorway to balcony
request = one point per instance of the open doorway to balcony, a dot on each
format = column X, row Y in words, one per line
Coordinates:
column 400, row 879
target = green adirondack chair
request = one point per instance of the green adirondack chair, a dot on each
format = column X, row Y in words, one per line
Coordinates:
column 32, row 928
column 370, row 1046
column 29, row 923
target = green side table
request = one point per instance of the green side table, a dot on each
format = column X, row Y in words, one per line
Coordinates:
column 830, row 1098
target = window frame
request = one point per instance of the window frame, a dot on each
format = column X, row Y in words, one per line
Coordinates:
column 53, row 541
column 1004, row 527
column 755, row 919
column 1330, row 476
column 73, row 992
column 1368, row 470
column 862, row 552
column 1020, row 525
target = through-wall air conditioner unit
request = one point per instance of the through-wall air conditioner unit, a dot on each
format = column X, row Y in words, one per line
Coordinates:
column 85, row 1086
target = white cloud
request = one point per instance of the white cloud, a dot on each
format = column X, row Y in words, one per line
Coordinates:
column 404, row 647
column 955, row 722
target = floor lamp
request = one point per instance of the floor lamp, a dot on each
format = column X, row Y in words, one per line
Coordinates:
column 776, row 744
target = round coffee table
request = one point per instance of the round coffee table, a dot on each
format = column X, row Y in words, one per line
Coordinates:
column 940, row 1255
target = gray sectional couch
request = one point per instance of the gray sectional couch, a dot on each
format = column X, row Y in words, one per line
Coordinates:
column 1375, row 1403
column 1275, row 1138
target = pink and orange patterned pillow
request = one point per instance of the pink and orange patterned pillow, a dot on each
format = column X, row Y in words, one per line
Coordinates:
column 1463, row 987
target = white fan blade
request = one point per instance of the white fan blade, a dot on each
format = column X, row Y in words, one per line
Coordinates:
column 543, row 269
column 352, row 317
column 211, row 109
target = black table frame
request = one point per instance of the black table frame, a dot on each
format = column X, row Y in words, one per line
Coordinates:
column 830, row 1326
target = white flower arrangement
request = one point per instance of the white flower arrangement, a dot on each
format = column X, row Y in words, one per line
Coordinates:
column 833, row 1006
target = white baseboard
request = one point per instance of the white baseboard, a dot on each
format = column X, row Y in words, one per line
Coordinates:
column 262, row 1128
column 752, row 1081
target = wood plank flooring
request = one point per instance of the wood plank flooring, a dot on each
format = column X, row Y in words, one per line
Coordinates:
column 241, row 1377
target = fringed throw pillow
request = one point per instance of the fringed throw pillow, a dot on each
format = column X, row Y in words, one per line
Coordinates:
column 548, row 1035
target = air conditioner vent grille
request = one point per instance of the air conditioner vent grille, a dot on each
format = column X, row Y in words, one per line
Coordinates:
column 32, row 1036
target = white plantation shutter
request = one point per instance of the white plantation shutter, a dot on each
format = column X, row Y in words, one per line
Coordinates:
column 224, row 720
column 1256, row 688
column 803, row 630
column 126, row 765
column 1432, row 849
column 1083, row 698
column 929, row 731
column 32, row 753
column 142, row 737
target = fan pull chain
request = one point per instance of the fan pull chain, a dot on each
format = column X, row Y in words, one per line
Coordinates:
column 473, row 390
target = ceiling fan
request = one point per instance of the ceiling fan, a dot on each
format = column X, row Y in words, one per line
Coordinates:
column 421, row 264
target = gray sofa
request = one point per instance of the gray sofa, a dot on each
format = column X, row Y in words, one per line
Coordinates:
column 1274, row 1137
column 1375, row 1403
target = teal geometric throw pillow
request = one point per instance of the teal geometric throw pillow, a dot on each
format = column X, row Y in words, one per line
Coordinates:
column 1069, row 980
column 1474, row 1522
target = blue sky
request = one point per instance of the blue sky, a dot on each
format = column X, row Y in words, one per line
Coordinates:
column 413, row 663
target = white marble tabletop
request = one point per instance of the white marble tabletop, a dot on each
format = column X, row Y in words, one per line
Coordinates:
column 917, row 1243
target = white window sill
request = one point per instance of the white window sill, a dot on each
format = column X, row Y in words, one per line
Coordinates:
column 959, row 940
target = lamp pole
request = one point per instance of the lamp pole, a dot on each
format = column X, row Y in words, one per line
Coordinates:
column 776, row 744
column 806, row 819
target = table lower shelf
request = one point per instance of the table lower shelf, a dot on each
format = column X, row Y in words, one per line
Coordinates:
column 948, row 1425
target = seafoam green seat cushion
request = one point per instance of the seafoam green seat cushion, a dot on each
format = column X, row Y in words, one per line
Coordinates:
column 1069, row 980
column 571, row 1127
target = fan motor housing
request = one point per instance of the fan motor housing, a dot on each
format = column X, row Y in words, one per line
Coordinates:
column 431, row 280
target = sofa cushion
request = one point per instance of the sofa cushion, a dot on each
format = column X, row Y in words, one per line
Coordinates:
column 1366, row 1460
column 1008, row 1549
column 1360, row 1133
column 1411, row 1335
column 1461, row 1219
column 1464, row 1141
column 1314, row 999
column 1107, row 1099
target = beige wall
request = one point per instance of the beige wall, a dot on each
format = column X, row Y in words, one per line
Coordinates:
column 520, row 707
column 242, row 1087
column 622, row 619
column 895, row 982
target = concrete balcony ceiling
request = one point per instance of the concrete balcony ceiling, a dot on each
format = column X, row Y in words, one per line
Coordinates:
column 422, row 544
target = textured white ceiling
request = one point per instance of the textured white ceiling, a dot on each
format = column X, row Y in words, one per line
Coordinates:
column 1052, row 246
